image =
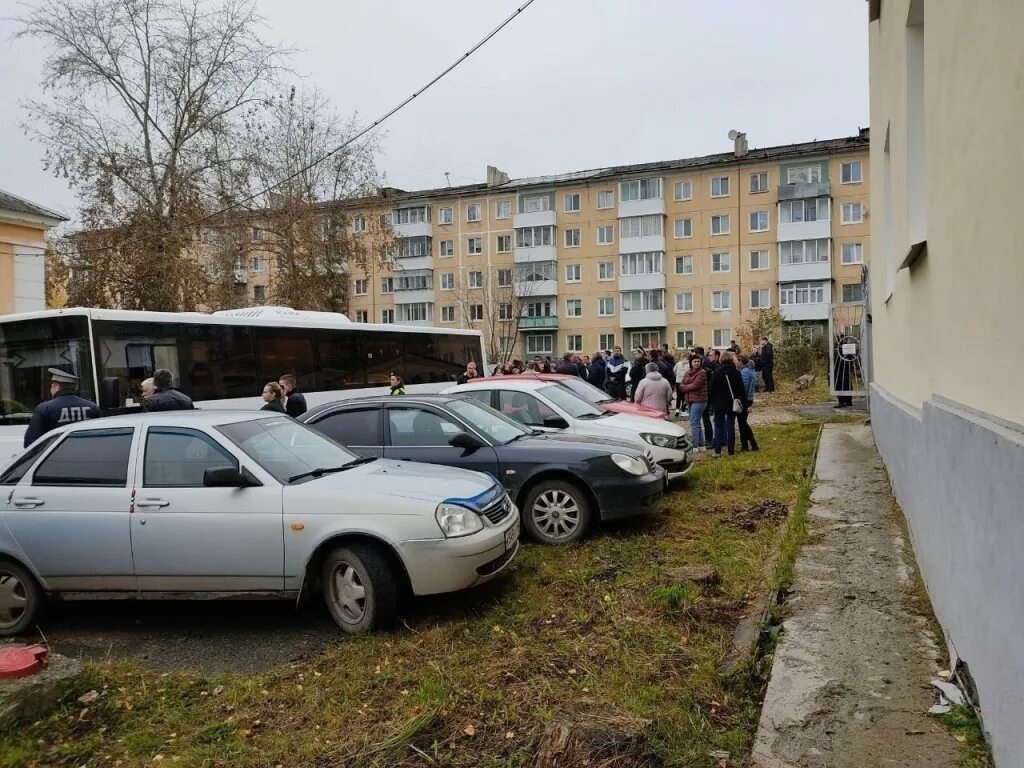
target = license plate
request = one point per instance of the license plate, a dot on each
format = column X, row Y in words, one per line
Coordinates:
column 511, row 536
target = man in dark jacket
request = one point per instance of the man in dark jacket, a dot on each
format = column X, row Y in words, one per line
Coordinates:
column 615, row 381
column 566, row 366
column 767, row 361
column 598, row 370
column 469, row 373
column 637, row 370
column 166, row 397
column 668, row 357
column 726, row 386
column 64, row 406
column 295, row 406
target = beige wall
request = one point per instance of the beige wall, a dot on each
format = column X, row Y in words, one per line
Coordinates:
column 11, row 236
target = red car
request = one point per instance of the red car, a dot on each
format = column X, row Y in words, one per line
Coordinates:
column 585, row 390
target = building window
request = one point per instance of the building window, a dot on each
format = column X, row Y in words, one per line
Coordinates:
column 795, row 211
column 759, row 221
column 853, row 292
column 447, row 281
column 721, row 337
column 538, row 309
column 648, row 263
column 503, row 209
column 475, row 246
column 257, row 234
column 476, row 313
column 505, row 310
column 573, row 273
column 573, row 342
column 760, row 298
column 606, row 340
column 473, row 212
column 535, row 203
column 759, row 182
column 418, row 215
column 720, row 186
column 803, row 251
column 414, row 313
column 476, row 279
column 259, row 293
column 605, row 307
column 684, row 339
column 605, row 235
column 853, row 213
column 640, row 189
column 682, row 190
column 721, row 300
column 448, row 314
column 259, row 263
column 504, row 278
column 721, row 262
column 535, row 271
column 504, row 243
column 387, row 315
column 386, row 219
column 853, row 253
column 572, row 238
column 414, row 282
column 574, row 308
column 684, row 302
column 682, row 228
column 447, row 247
column 444, row 215
column 605, row 199
column 641, row 226
column 684, row 265
column 758, row 260
column 362, row 316
column 802, row 293
column 540, row 344
column 606, row 270
column 642, row 301
column 806, row 174
column 850, row 173
column 359, row 225
column 387, row 285
column 533, row 237
column 409, row 247
column 720, row 224
column 360, row 289
column 572, row 202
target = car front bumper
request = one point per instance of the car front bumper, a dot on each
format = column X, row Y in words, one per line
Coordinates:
column 449, row 565
column 619, row 497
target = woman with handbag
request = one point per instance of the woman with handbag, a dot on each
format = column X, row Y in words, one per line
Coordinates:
column 726, row 398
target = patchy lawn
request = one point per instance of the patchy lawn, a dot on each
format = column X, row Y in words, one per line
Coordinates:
column 596, row 631
column 786, row 392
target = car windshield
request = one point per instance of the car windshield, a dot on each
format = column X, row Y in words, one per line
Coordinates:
column 489, row 421
column 286, row 448
column 588, row 392
column 570, row 402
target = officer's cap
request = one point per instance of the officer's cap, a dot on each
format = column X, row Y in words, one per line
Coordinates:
column 62, row 377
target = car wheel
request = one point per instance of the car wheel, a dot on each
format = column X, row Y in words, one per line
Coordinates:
column 359, row 588
column 21, row 599
column 556, row 512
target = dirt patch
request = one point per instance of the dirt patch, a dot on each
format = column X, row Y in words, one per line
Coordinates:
column 767, row 511
column 597, row 740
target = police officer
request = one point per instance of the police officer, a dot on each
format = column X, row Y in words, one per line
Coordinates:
column 63, row 407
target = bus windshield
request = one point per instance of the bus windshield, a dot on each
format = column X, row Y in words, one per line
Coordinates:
column 27, row 349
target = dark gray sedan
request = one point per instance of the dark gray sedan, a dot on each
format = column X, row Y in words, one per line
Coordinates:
column 561, row 484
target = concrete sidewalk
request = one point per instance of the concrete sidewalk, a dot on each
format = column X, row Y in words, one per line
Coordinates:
column 850, row 678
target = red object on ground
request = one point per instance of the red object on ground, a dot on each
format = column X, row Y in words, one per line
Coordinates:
column 21, row 660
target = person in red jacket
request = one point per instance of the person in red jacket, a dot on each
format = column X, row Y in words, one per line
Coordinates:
column 695, row 390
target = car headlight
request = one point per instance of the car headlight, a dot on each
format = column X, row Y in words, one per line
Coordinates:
column 662, row 441
column 457, row 521
column 631, row 464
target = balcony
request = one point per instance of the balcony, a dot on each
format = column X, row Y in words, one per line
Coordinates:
column 641, row 244
column 650, row 207
column 534, row 219
column 415, row 229
column 538, row 323
column 535, row 254
column 800, row 191
column 795, row 273
column 643, row 318
column 651, row 281
column 408, row 263
column 532, row 288
column 805, row 311
column 415, row 296
column 805, row 230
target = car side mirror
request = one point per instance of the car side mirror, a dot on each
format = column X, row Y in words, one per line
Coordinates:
column 224, row 477
column 465, row 441
column 555, row 422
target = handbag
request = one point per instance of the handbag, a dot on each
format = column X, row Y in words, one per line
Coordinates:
column 737, row 404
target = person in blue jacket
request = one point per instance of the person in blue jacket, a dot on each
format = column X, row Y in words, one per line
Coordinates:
column 598, row 371
column 65, row 406
column 747, row 440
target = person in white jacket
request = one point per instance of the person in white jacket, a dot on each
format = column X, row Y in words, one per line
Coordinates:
column 680, row 370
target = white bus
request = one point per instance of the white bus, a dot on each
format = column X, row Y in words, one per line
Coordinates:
column 221, row 360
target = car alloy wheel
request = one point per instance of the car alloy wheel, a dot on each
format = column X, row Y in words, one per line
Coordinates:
column 20, row 599
column 359, row 588
column 557, row 512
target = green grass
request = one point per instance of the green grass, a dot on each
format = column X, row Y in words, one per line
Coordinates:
column 600, row 629
column 964, row 725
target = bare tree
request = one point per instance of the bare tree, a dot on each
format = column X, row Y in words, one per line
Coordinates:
column 139, row 97
column 496, row 308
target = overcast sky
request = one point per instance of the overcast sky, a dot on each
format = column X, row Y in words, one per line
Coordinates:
column 569, row 85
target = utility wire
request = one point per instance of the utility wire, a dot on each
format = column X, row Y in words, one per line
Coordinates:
column 338, row 148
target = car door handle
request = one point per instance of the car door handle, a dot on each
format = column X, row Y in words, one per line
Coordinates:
column 152, row 503
column 28, row 501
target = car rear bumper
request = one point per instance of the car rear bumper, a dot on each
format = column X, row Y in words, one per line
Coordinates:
column 618, row 498
column 449, row 565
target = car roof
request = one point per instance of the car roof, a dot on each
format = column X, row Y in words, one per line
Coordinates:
column 196, row 417
column 526, row 375
column 510, row 382
column 429, row 398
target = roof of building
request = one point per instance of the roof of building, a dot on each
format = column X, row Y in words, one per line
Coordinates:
column 11, row 202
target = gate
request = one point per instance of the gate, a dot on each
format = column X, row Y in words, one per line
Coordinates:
column 848, row 341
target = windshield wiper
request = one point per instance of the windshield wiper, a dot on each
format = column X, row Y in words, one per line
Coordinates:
column 321, row 471
column 521, row 435
column 589, row 416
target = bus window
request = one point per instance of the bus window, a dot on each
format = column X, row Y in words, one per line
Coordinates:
column 341, row 360
column 424, row 361
column 131, row 351
column 27, row 349
column 383, row 356
column 286, row 350
column 456, row 351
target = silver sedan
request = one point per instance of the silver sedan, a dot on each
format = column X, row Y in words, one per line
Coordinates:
column 218, row 503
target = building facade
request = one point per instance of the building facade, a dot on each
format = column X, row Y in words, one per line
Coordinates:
column 948, row 324
column 23, row 227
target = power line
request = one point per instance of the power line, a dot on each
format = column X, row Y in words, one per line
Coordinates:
column 337, row 149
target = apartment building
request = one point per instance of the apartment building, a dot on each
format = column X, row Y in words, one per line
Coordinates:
column 679, row 252
column 23, row 227
column 947, row 323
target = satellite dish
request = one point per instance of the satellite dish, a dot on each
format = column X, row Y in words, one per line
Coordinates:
column 733, row 134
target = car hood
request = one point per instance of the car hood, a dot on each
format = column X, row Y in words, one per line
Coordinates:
column 584, row 445
column 636, row 424
column 621, row 406
column 405, row 479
